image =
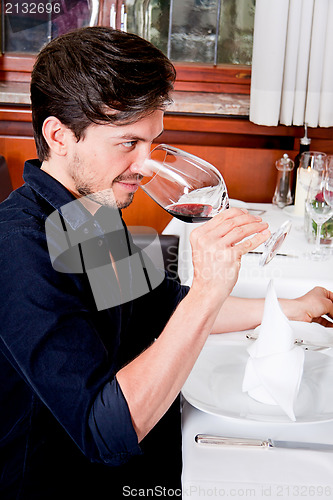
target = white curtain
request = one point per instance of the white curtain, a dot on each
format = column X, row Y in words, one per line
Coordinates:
column 292, row 63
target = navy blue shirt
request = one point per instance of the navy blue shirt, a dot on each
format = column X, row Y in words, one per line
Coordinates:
column 65, row 427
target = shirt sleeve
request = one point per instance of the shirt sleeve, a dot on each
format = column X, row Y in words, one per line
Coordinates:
column 49, row 332
column 150, row 314
column 110, row 434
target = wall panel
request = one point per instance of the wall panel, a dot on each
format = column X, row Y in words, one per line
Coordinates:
column 244, row 153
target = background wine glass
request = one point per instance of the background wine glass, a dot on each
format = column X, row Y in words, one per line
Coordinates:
column 328, row 187
column 309, row 161
column 328, row 195
column 186, row 186
column 318, row 209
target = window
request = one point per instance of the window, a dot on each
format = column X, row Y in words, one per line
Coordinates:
column 28, row 25
column 210, row 41
column 199, row 31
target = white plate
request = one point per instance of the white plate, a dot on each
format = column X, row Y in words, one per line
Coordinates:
column 215, row 386
column 309, row 332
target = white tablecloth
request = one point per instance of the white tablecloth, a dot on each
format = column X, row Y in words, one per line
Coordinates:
column 212, row 472
column 254, row 473
column 296, row 269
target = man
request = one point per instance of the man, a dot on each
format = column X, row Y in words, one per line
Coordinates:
column 89, row 390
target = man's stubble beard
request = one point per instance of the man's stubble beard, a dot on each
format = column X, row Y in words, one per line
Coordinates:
column 105, row 197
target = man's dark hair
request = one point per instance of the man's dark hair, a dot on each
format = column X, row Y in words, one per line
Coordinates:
column 82, row 77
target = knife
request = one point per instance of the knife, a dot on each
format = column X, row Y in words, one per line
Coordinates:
column 207, row 439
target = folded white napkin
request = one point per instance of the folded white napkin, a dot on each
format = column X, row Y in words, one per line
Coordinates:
column 274, row 369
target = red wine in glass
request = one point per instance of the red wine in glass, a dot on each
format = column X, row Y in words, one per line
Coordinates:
column 190, row 212
column 187, row 187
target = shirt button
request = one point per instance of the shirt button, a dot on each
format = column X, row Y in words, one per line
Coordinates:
column 100, row 243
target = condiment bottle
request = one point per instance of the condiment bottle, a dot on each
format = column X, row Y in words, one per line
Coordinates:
column 282, row 195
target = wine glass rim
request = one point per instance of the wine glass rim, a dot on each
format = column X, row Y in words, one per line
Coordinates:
column 314, row 160
column 181, row 152
column 329, row 162
column 314, row 153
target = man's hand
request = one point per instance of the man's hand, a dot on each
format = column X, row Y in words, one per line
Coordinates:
column 311, row 307
column 218, row 246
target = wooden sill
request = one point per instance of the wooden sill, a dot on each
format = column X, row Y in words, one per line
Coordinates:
column 206, row 103
column 190, row 76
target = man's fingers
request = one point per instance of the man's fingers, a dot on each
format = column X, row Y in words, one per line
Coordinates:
column 228, row 221
column 231, row 230
column 254, row 242
column 238, row 233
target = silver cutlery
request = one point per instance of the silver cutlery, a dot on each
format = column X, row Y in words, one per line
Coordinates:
column 211, row 440
column 302, row 342
column 277, row 254
column 256, row 211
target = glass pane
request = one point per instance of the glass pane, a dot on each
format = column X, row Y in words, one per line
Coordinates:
column 236, row 32
column 193, row 30
column 149, row 19
column 27, row 26
column 191, row 36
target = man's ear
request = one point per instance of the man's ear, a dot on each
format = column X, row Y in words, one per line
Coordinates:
column 56, row 135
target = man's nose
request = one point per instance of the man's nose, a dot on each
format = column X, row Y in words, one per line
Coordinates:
column 139, row 165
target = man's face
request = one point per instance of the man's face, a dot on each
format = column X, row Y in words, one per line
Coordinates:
column 105, row 163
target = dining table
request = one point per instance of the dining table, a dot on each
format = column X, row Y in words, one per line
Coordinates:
column 293, row 464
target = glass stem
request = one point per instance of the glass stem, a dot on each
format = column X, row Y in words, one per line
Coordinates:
column 317, row 247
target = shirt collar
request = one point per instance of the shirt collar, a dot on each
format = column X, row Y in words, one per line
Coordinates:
column 57, row 195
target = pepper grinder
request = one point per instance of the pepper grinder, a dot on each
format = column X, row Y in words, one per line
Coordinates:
column 282, row 195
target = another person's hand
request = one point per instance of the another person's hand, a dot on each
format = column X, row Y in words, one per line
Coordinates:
column 311, row 307
column 218, row 246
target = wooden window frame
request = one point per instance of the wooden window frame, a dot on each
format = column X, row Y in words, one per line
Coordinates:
column 224, row 79
column 190, row 77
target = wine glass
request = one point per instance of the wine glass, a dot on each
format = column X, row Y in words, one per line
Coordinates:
column 186, row 186
column 328, row 196
column 328, row 187
column 318, row 209
column 192, row 190
column 309, row 161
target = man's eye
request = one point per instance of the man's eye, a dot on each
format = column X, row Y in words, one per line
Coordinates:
column 129, row 144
